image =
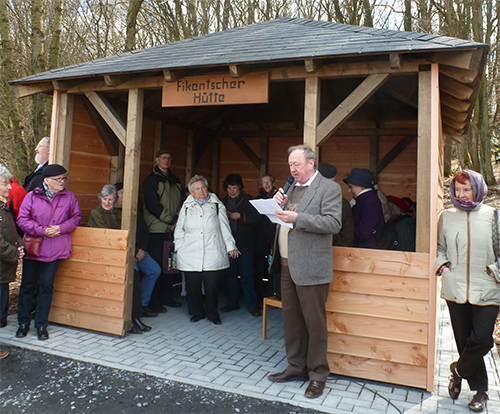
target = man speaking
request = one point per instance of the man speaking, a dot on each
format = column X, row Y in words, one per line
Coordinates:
column 313, row 205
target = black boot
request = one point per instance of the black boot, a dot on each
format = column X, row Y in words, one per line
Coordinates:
column 143, row 326
column 135, row 328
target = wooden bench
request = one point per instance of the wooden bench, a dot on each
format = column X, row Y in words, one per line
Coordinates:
column 271, row 301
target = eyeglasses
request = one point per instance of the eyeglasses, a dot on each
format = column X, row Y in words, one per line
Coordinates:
column 59, row 180
column 165, row 158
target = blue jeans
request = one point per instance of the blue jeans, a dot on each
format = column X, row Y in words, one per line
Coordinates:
column 4, row 300
column 151, row 271
column 242, row 266
column 44, row 273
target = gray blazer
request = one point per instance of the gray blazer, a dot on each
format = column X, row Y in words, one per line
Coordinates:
column 310, row 241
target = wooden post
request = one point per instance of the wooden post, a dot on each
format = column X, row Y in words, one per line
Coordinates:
column 311, row 112
column 215, row 164
column 131, row 186
column 54, row 125
column 116, row 173
column 428, row 179
column 264, row 154
column 158, row 140
column 374, row 155
column 64, row 133
column 190, row 156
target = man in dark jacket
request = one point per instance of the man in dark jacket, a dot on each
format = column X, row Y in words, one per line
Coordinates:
column 163, row 196
column 35, row 178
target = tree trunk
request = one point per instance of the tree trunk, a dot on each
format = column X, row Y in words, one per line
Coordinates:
column 134, row 6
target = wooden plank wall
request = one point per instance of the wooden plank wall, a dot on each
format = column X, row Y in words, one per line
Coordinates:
column 378, row 316
column 90, row 162
column 89, row 288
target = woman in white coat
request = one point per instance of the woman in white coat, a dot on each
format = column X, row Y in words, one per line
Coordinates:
column 203, row 242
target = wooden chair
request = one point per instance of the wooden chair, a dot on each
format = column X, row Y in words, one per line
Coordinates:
column 271, row 301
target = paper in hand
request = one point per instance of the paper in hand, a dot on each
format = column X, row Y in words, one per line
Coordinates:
column 267, row 208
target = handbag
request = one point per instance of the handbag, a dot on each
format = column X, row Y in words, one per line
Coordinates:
column 32, row 244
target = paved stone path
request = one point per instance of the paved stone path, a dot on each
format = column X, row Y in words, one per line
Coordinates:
column 233, row 357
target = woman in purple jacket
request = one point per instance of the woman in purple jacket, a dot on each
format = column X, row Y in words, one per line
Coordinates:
column 52, row 212
column 367, row 212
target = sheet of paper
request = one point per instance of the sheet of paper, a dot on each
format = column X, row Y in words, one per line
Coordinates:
column 267, row 208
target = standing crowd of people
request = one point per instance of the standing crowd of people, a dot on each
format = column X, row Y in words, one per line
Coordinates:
column 212, row 242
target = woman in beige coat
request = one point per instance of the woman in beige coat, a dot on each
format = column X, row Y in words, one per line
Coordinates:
column 203, row 242
column 467, row 262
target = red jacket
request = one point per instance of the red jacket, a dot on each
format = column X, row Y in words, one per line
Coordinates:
column 16, row 196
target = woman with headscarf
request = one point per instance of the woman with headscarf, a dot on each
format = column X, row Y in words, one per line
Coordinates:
column 467, row 261
column 52, row 212
column 11, row 248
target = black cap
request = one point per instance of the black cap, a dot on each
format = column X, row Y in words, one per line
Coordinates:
column 119, row 186
column 327, row 170
column 161, row 152
column 53, row 169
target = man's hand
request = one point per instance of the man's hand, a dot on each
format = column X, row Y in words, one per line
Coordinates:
column 234, row 216
column 287, row 216
column 172, row 227
column 280, row 197
column 139, row 257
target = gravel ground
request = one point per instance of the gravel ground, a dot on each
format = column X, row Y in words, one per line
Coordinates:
column 33, row 382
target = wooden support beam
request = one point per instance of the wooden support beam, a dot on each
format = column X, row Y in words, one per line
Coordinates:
column 107, row 135
column 264, row 154
column 64, row 130
column 153, row 82
column 312, row 112
column 214, row 182
column 452, row 131
column 201, row 146
column 22, row 91
column 395, row 60
column 341, row 132
column 131, row 187
column 456, row 138
column 64, row 86
column 173, row 75
column 454, row 103
column 374, row 155
column 394, row 152
column 454, row 88
column 312, row 65
column 115, row 80
column 237, row 71
column 463, row 59
column 158, row 140
column 349, row 106
column 460, row 75
column 242, row 145
column 402, row 91
column 54, row 125
column 190, row 155
column 117, row 165
column 109, row 114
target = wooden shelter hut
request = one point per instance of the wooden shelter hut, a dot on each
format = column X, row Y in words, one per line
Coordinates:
column 233, row 102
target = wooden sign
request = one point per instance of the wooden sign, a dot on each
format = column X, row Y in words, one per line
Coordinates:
column 217, row 90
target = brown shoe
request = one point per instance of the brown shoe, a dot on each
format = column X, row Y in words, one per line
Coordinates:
column 455, row 385
column 3, row 354
column 286, row 376
column 478, row 402
column 3, row 322
column 315, row 389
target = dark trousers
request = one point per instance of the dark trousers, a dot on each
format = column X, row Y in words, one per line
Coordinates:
column 259, row 273
column 195, row 296
column 304, row 325
column 136, row 296
column 473, row 328
column 241, row 266
column 4, row 300
column 44, row 273
column 162, row 292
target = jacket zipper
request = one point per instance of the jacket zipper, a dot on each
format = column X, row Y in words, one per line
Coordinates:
column 468, row 255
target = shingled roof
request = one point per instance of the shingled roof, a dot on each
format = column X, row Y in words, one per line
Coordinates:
column 271, row 41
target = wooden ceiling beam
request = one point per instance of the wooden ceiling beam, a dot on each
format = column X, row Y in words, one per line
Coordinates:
column 456, row 138
column 460, row 75
column 242, row 145
column 464, row 59
column 454, row 88
column 22, row 91
column 342, row 70
column 459, row 126
column 312, row 65
column 109, row 115
column 395, row 60
column 346, row 132
column 64, row 86
column 115, row 80
column 154, row 82
column 170, row 75
column 349, row 106
column 453, row 114
column 401, row 95
column 237, row 71
column 454, row 103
